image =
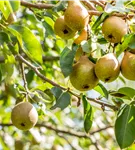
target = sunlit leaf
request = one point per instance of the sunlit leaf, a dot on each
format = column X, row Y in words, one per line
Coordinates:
column 125, row 126
column 60, row 6
column 15, row 5
column 63, row 101
column 124, row 92
column 88, row 116
column 28, row 41
column 66, row 60
column 99, row 20
column 102, row 90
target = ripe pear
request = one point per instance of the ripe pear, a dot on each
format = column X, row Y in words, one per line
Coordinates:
column 76, row 15
column 24, row 116
column 114, row 28
column 83, row 77
column 19, row 145
column 128, row 66
column 107, row 68
column 62, row 30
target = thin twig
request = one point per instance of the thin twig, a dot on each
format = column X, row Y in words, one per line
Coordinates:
column 94, row 12
column 63, row 137
column 95, row 143
column 44, row 58
column 64, row 131
column 103, row 1
column 37, row 5
column 36, row 70
column 97, row 3
column 24, row 80
column 89, row 5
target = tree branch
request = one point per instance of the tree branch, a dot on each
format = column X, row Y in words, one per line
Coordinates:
column 97, row 2
column 64, row 131
column 24, row 80
column 45, row 58
column 36, row 70
column 37, row 5
column 89, row 5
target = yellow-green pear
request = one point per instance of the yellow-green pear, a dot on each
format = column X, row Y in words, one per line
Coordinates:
column 107, row 68
column 128, row 66
column 24, row 116
column 19, row 145
column 76, row 15
column 62, row 30
column 114, row 28
column 83, row 77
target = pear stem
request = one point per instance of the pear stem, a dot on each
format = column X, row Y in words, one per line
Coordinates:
column 25, row 81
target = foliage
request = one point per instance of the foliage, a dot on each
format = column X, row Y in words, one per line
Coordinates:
column 35, row 65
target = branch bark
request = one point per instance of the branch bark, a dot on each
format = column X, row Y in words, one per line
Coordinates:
column 36, row 70
column 37, row 5
column 64, row 131
column 45, row 58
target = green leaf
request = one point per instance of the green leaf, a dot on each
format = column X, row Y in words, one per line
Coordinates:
column 125, row 126
column 48, row 24
column 127, row 41
column 99, row 20
column 6, row 8
column 124, row 92
column 4, row 38
column 41, row 96
column 28, row 42
column 60, row 6
column 132, row 42
column 30, row 76
column 86, row 46
column 15, row 5
column 102, row 90
column 66, row 60
column 0, row 74
column 56, row 91
column 63, row 101
column 119, row 7
column 88, row 117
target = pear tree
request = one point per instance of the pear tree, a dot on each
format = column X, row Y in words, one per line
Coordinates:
column 67, row 74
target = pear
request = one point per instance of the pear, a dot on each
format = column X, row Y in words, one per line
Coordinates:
column 82, row 37
column 19, row 145
column 76, row 15
column 24, row 116
column 114, row 28
column 128, row 66
column 62, row 30
column 82, row 76
column 107, row 68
